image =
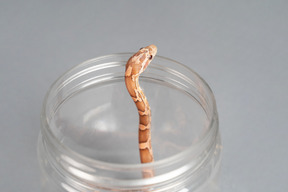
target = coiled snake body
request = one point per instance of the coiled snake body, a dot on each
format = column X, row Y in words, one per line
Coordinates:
column 134, row 67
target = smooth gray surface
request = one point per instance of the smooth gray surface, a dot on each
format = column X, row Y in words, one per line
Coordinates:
column 239, row 47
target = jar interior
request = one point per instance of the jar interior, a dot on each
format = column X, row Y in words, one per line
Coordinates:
column 97, row 118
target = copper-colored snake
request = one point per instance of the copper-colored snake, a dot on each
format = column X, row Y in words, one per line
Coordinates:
column 134, row 67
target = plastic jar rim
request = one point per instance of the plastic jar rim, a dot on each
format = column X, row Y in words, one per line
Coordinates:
column 212, row 131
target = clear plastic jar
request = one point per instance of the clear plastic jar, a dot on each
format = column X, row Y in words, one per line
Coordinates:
column 89, row 135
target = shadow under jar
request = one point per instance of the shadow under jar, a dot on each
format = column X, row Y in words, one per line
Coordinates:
column 89, row 135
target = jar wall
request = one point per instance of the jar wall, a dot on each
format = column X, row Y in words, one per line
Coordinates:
column 88, row 139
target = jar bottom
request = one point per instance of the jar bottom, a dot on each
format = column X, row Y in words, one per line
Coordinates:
column 52, row 180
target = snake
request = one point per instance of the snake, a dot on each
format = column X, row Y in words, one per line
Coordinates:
column 136, row 65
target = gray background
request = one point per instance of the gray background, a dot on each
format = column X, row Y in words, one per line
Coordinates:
column 239, row 47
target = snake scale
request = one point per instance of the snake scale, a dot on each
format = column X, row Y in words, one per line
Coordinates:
column 134, row 67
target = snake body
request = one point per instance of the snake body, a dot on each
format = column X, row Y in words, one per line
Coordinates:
column 134, row 67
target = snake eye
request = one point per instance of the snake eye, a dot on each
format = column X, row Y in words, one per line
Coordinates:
column 141, row 48
column 151, row 56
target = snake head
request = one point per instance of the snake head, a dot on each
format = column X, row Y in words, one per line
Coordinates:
column 140, row 60
column 150, row 52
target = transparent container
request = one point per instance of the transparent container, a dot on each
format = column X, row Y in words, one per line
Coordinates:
column 89, row 134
